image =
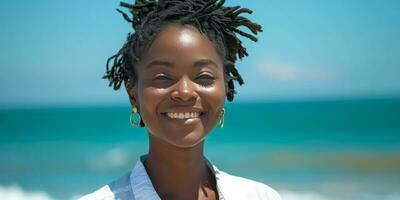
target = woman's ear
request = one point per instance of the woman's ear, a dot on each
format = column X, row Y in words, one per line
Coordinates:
column 131, row 90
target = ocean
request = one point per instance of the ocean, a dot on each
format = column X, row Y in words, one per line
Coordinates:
column 315, row 150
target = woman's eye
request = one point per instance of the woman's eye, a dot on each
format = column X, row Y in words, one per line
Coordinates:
column 161, row 77
column 205, row 77
column 205, row 80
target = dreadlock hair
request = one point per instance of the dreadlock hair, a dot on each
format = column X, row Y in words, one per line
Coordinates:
column 220, row 24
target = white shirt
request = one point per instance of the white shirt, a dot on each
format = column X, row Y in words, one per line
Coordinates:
column 136, row 185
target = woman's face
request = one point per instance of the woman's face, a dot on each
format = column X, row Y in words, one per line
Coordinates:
column 180, row 88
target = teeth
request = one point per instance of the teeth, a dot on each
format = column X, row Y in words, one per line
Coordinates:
column 185, row 115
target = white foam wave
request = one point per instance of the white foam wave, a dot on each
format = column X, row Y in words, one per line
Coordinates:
column 117, row 157
column 307, row 195
column 290, row 195
column 113, row 158
column 14, row 192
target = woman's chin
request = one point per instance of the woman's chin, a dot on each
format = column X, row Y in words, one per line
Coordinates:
column 186, row 143
column 183, row 140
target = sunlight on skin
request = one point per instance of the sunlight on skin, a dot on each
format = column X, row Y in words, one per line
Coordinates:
column 186, row 37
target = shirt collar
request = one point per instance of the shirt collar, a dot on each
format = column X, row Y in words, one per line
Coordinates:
column 143, row 188
column 141, row 184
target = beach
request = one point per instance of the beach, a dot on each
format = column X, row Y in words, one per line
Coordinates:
column 316, row 150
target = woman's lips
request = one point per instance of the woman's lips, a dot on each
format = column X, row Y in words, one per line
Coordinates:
column 184, row 118
column 183, row 115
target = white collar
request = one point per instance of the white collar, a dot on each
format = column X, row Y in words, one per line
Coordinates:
column 143, row 188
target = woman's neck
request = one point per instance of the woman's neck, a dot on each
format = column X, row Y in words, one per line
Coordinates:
column 179, row 173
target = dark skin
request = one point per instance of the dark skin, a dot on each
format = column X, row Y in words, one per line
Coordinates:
column 180, row 72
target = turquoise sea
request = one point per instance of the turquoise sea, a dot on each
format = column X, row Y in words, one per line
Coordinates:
column 317, row 150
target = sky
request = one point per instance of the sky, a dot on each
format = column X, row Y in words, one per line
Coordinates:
column 54, row 52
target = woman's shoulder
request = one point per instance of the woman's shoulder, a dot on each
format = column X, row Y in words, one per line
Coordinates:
column 118, row 189
column 236, row 187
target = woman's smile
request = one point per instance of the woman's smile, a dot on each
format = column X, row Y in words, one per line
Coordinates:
column 191, row 117
column 185, row 115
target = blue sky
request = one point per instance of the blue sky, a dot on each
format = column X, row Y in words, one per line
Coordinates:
column 54, row 52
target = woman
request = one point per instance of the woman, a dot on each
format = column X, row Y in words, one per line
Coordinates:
column 177, row 69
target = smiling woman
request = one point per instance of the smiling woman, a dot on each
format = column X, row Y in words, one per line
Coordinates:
column 177, row 69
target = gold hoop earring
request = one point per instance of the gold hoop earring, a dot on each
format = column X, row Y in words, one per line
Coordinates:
column 134, row 114
column 221, row 118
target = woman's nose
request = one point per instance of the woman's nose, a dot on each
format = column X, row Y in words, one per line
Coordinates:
column 184, row 91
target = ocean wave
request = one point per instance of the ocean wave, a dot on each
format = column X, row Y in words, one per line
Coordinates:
column 360, row 160
column 110, row 159
column 291, row 195
column 15, row 192
column 307, row 195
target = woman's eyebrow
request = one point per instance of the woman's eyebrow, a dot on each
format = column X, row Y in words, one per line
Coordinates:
column 158, row 63
column 204, row 62
column 198, row 63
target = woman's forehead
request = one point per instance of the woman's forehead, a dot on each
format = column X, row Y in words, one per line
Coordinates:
column 179, row 42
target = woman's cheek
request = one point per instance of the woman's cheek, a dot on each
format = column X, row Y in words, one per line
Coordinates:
column 149, row 102
column 215, row 95
column 215, row 98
